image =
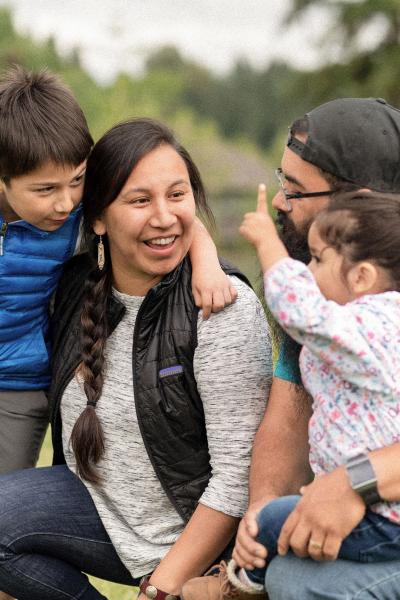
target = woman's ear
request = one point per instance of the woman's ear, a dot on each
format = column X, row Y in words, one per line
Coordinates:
column 362, row 278
column 99, row 227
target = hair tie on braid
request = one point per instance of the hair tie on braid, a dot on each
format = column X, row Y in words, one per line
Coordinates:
column 90, row 403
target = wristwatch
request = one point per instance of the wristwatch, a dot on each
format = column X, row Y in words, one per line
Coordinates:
column 363, row 479
column 150, row 591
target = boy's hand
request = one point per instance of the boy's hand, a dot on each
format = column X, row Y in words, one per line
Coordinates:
column 212, row 291
column 258, row 226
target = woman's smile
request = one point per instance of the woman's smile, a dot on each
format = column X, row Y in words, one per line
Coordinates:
column 150, row 223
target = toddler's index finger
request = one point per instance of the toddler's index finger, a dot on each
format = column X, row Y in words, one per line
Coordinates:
column 262, row 198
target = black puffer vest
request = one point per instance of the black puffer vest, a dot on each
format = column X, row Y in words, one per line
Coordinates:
column 168, row 406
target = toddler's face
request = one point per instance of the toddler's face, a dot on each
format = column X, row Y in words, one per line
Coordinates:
column 44, row 197
column 326, row 266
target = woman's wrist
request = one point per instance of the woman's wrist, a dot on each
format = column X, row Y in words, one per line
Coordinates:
column 166, row 585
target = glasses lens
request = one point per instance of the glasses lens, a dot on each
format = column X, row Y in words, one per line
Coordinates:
column 281, row 178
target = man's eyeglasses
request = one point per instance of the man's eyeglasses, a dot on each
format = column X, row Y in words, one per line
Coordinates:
column 296, row 195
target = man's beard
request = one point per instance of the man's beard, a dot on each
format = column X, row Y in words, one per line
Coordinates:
column 295, row 240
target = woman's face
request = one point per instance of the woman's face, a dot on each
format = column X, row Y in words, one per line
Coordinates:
column 150, row 223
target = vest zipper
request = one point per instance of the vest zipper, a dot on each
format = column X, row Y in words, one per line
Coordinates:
column 139, row 420
column 3, row 230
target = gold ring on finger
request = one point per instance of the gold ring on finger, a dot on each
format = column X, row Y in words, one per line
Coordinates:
column 316, row 545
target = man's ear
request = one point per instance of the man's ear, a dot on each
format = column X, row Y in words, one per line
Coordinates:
column 362, row 278
column 99, row 227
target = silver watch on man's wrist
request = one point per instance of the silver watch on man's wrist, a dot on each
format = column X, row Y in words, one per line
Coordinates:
column 363, row 479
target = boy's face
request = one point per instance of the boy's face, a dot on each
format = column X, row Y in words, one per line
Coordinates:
column 44, row 197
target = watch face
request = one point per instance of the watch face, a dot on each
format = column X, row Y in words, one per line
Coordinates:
column 151, row 592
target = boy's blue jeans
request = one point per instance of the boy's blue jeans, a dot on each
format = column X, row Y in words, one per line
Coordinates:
column 50, row 533
column 375, row 539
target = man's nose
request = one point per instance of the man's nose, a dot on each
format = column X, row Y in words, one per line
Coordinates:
column 279, row 202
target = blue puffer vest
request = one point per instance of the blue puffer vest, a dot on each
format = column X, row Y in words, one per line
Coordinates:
column 31, row 262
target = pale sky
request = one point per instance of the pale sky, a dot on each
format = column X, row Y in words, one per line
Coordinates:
column 116, row 35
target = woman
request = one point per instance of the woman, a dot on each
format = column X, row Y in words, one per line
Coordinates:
column 154, row 409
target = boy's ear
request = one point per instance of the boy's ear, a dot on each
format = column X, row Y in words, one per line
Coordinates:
column 362, row 278
column 99, row 227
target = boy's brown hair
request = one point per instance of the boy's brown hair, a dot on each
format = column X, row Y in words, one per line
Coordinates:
column 40, row 121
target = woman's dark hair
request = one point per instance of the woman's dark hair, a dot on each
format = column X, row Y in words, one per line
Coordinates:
column 363, row 226
column 109, row 165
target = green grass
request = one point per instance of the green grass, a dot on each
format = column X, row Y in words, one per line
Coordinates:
column 112, row 591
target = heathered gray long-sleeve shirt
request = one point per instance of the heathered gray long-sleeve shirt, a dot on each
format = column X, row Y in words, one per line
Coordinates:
column 232, row 367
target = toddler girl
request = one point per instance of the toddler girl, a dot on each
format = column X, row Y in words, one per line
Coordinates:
column 344, row 309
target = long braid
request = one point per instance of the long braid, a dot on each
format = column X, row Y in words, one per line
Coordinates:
column 87, row 438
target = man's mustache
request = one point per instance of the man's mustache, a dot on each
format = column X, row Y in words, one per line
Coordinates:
column 295, row 241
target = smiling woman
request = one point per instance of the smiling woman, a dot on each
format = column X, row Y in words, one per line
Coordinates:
column 145, row 393
column 150, row 223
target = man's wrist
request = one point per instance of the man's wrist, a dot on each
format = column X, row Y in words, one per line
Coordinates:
column 363, row 479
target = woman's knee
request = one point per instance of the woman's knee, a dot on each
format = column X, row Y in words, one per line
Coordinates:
column 26, row 500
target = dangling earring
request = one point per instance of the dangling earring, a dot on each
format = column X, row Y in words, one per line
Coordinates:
column 101, row 259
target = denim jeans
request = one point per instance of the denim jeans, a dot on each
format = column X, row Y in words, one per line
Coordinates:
column 375, row 539
column 50, row 532
column 292, row 578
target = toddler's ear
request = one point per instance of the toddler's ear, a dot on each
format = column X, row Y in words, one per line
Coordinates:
column 363, row 278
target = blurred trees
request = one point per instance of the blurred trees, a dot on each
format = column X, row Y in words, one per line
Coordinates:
column 249, row 106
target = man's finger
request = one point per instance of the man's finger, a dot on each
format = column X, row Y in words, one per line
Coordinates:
column 262, row 198
column 286, row 532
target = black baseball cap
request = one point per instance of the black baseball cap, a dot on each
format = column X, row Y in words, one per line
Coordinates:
column 356, row 139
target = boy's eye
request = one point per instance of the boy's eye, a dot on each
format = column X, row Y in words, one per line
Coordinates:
column 315, row 258
column 45, row 190
column 78, row 180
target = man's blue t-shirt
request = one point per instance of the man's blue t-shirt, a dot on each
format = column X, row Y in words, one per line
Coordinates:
column 287, row 365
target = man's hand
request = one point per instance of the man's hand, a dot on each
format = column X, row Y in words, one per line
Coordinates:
column 247, row 552
column 326, row 514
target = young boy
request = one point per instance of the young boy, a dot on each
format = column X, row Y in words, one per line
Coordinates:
column 44, row 142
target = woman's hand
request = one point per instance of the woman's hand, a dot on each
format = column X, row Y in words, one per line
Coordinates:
column 259, row 229
column 326, row 514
